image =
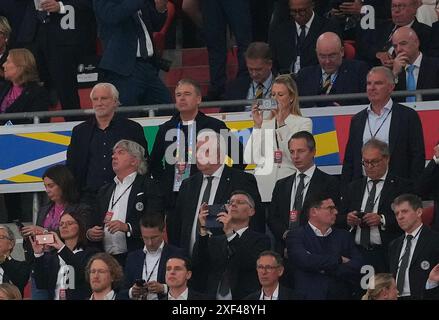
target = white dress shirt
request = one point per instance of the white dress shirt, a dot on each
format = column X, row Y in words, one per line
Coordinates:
column 374, row 122
column 274, row 296
column 151, row 267
column 182, row 296
column 308, row 175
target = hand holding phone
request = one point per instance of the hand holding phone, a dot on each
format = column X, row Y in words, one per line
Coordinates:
column 47, row 238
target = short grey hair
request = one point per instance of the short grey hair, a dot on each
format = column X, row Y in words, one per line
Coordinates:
column 386, row 71
column 135, row 150
column 381, row 146
column 109, row 86
column 11, row 235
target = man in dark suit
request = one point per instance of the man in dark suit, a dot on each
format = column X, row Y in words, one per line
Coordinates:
column 433, row 49
column 257, row 83
column 178, row 273
column 120, row 204
column 11, row 270
column 428, row 184
column 333, row 74
column 180, row 133
column 413, row 255
column 325, row 263
column 270, row 268
column 290, row 193
column 213, row 184
column 395, row 124
column 230, row 258
column 367, row 205
column 149, row 263
column 413, row 69
column 129, row 61
column 91, row 145
column 375, row 45
column 293, row 41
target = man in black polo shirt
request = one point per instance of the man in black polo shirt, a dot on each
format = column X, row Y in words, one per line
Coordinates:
column 91, row 145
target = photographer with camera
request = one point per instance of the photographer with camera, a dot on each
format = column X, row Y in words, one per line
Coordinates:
column 367, row 203
column 61, row 270
column 145, row 268
column 230, row 258
column 268, row 143
column 11, row 270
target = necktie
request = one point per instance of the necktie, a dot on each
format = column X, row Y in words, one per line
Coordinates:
column 326, row 84
column 370, row 203
column 206, row 194
column 298, row 200
column 410, row 82
column 404, row 264
column 141, row 36
column 224, row 285
column 259, row 91
column 302, row 36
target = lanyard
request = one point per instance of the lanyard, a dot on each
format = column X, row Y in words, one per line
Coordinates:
column 191, row 131
column 117, row 200
column 379, row 128
column 275, row 134
column 146, row 268
column 333, row 78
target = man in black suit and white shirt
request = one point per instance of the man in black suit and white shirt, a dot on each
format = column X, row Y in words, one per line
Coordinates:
column 230, row 257
column 212, row 185
column 292, row 192
column 333, row 74
column 270, row 268
column 257, row 83
column 367, row 205
column 411, row 67
column 395, row 124
column 413, row 255
column 120, row 204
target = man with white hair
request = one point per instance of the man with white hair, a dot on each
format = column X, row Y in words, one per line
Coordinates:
column 121, row 203
column 91, row 145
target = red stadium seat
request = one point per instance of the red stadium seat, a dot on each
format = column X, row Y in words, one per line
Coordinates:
column 428, row 215
column 160, row 37
column 349, row 49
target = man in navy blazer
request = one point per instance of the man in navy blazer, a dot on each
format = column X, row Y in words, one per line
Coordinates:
column 425, row 69
column 397, row 125
column 129, row 61
column 333, row 74
column 325, row 263
column 149, row 263
column 285, row 37
column 411, row 268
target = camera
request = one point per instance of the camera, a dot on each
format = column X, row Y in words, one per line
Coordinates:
column 45, row 238
column 267, row 104
column 140, row 282
column 214, row 210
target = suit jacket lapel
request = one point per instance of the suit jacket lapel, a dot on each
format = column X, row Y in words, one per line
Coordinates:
column 223, row 186
column 422, row 75
column 420, row 245
column 394, row 127
column 135, row 189
column 386, row 191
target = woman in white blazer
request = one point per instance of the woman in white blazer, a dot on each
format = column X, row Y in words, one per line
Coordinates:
column 268, row 143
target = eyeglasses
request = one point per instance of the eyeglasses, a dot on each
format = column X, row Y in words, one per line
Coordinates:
column 398, row 7
column 238, row 202
column 331, row 57
column 371, row 163
column 267, row 268
column 99, row 271
column 4, row 237
column 298, row 12
column 67, row 223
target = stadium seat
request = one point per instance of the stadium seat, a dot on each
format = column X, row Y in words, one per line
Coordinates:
column 349, row 49
column 427, row 216
column 160, row 37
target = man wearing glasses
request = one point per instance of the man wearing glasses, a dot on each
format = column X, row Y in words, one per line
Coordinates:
column 270, row 268
column 230, row 257
column 367, row 205
column 333, row 74
column 324, row 261
column 293, row 41
column 397, row 125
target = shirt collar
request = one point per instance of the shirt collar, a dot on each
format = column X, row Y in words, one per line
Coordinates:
column 383, row 178
column 317, row 231
column 266, row 83
column 274, row 296
column 217, row 173
column 128, row 179
column 308, row 24
column 386, row 108
column 417, row 62
column 183, row 296
column 308, row 172
column 159, row 250
column 415, row 232
column 109, row 296
column 241, row 231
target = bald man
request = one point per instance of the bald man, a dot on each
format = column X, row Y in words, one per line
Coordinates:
column 333, row 74
column 412, row 69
